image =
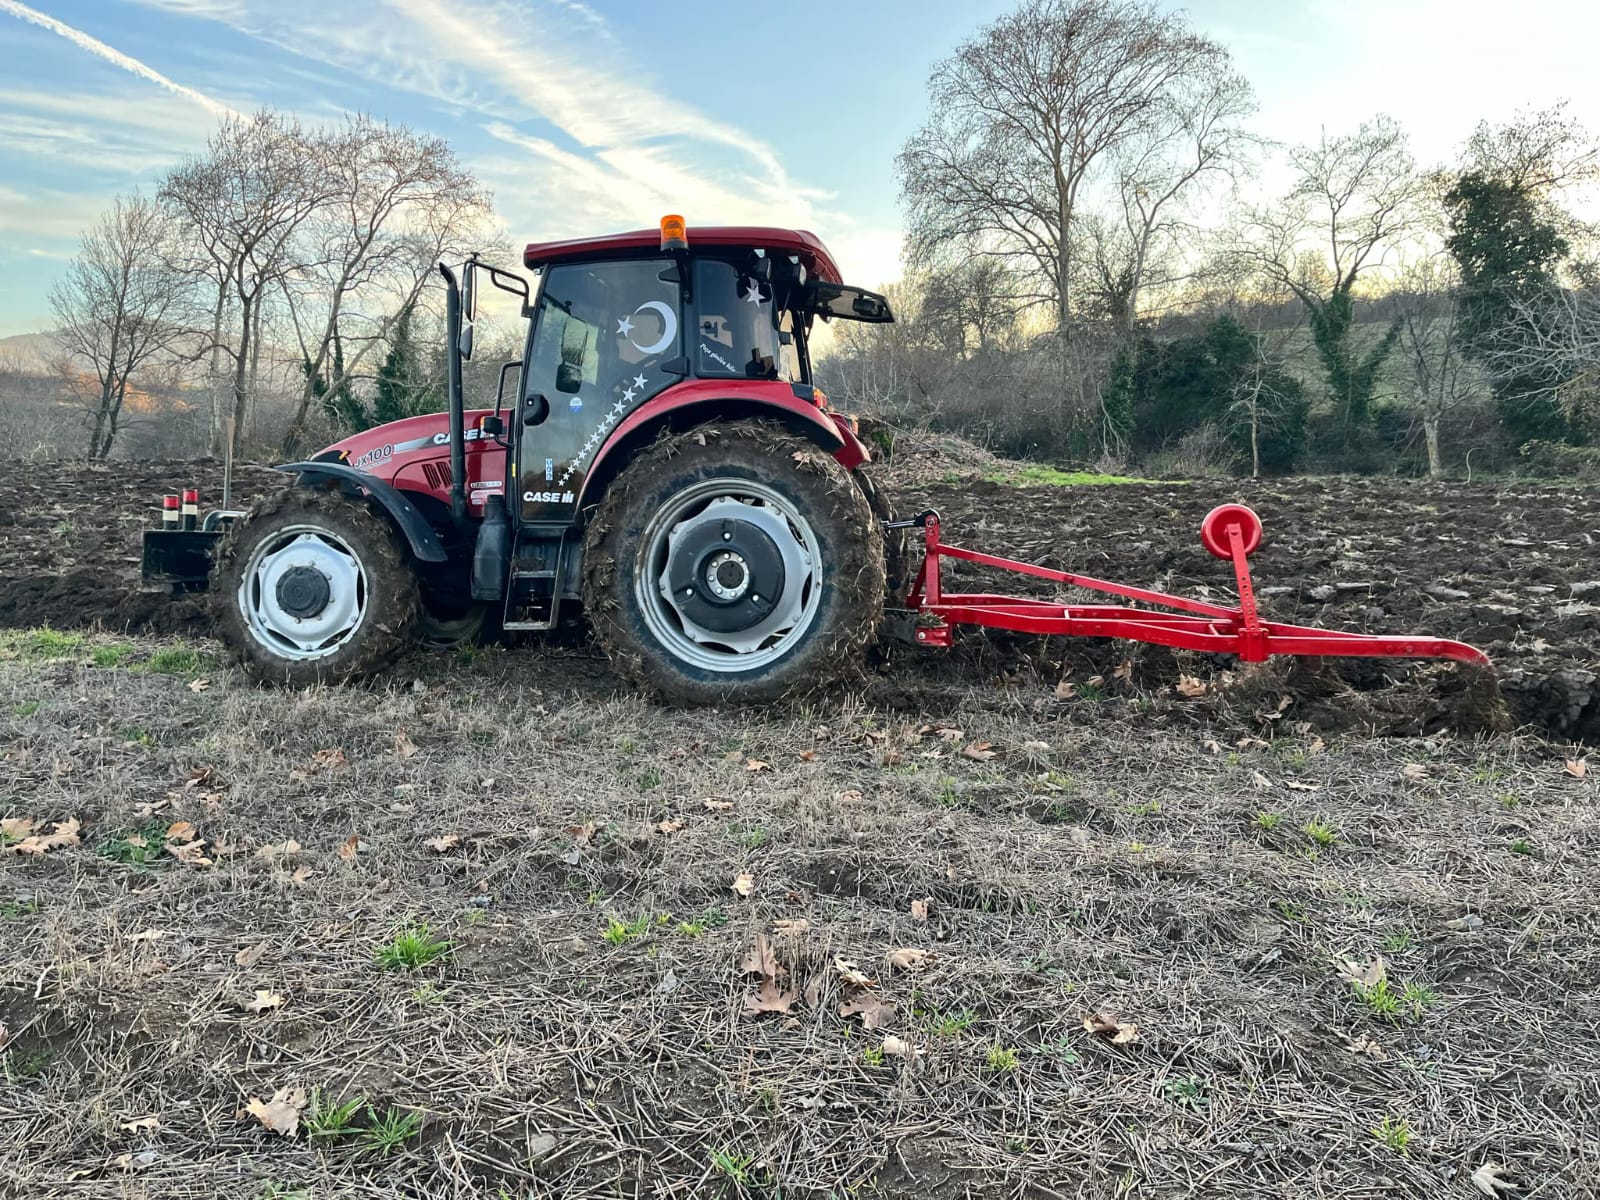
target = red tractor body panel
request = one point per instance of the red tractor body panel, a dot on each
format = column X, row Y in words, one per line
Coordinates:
column 805, row 245
column 414, row 455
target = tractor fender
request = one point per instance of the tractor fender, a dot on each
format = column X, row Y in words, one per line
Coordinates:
column 420, row 536
column 694, row 403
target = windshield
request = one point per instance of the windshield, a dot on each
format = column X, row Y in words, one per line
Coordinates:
column 740, row 331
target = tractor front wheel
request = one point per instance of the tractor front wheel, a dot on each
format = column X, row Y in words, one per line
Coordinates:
column 313, row 587
column 734, row 562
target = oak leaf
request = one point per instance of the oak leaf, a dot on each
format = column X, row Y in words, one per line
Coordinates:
column 669, row 826
column 907, row 958
column 761, row 960
column 768, row 998
column 1190, row 687
column 1490, row 1179
column 350, row 847
column 190, row 853
column 264, row 999
column 443, row 842
column 851, row 973
column 899, row 1047
column 794, row 926
column 1107, row 1025
column 755, row 765
column 980, row 751
column 919, row 908
column 1359, row 974
column 1577, row 767
column 874, row 1012
column 743, row 883
column 713, row 805
column 281, row 1114
column 404, row 747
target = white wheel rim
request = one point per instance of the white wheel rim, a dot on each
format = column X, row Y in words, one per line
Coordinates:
column 306, row 636
column 792, row 615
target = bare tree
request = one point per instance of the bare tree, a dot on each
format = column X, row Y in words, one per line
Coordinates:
column 1356, row 195
column 243, row 203
column 1023, row 115
column 1428, row 291
column 398, row 201
column 119, row 309
column 1198, row 139
column 1553, row 337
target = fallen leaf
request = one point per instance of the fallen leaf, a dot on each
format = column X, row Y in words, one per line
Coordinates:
column 1107, row 1025
column 199, row 685
column 284, row 850
column 743, row 883
column 147, row 935
column 1490, row 1179
column 768, row 998
column 793, row 926
column 443, row 843
column 136, row 1161
column 64, row 834
column 755, row 764
column 180, row 831
column 760, row 960
column 848, row 796
column 330, row 760
column 919, row 908
column 1295, row 785
column 264, row 1000
column 850, row 972
column 908, row 958
column 669, row 826
column 301, row 874
column 874, row 1012
column 1577, row 767
column 281, row 1114
column 141, row 1124
column 1190, row 686
column 718, row 805
column 1367, row 1046
column 1414, row 771
column 1123, row 670
column 14, row 829
column 1211, row 746
column 248, row 956
column 404, row 747
column 190, row 853
column 1317, row 746
column 980, row 751
column 899, row 1047
column 1361, row 975
column 1065, row 690
column 1260, row 780
column 350, row 847
column 808, row 756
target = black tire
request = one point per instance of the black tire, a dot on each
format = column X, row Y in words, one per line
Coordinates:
column 897, row 563
column 387, row 600
column 464, row 628
column 844, row 608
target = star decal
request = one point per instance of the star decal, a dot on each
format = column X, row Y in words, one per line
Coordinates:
column 638, row 381
column 629, row 394
column 754, row 295
column 625, row 326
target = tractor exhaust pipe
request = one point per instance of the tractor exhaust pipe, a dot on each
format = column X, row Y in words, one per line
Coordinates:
column 458, row 421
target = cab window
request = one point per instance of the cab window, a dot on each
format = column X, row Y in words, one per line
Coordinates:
column 599, row 326
column 740, row 331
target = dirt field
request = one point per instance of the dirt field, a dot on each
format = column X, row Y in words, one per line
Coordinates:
column 927, row 882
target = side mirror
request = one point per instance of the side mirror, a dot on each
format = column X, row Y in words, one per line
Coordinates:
column 492, row 427
column 464, row 344
column 469, row 291
column 569, row 378
column 500, row 389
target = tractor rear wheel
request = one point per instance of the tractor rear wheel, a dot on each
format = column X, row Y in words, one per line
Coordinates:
column 735, row 562
column 313, row 587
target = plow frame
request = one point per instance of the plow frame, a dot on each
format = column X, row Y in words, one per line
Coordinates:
column 1231, row 532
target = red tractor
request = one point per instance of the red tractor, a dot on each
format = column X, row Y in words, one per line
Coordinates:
column 666, row 462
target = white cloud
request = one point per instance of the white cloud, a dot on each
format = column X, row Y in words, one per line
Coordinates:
column 112, row 55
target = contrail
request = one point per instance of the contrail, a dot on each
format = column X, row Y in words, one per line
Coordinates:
column 116, row 57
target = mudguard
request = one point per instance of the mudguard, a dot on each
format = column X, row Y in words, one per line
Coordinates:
column 424, row 542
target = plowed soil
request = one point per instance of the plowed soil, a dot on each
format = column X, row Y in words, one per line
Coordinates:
column 1510, row 569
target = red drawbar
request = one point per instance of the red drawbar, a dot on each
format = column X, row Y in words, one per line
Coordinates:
column 1231, row 531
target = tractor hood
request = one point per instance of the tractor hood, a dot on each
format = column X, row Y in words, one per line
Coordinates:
column 414, row 455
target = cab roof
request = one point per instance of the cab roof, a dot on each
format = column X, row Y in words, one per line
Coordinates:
column 807, row 246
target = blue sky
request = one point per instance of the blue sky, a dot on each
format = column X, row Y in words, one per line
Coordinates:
column 585, row 117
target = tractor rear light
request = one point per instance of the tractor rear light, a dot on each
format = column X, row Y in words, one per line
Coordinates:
column 169, row 511
column 191, row 508
column 674, row 234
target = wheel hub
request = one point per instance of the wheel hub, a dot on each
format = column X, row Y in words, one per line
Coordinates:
column 303, row 592
column 725, row 574
column 728, row 576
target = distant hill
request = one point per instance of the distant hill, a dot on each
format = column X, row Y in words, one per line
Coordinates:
column 31, row 353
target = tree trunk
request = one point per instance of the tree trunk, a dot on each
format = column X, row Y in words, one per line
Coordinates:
column 255, row 358
column 214, row 433
column 98, row 429
column 1430, row 433
column 241, row 383
column 1255, row 439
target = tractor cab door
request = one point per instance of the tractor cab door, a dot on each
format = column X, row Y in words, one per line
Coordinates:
column 603, row 337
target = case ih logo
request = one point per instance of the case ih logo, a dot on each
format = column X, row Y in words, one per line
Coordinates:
column 547, row 497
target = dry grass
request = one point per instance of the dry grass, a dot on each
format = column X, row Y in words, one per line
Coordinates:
column 1098, row 863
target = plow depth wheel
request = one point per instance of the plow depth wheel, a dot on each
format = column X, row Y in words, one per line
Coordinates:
column 1215, row 524
column 738, row 562
column 313, row 588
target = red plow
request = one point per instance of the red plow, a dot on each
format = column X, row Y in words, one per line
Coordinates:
column 1231, row 532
